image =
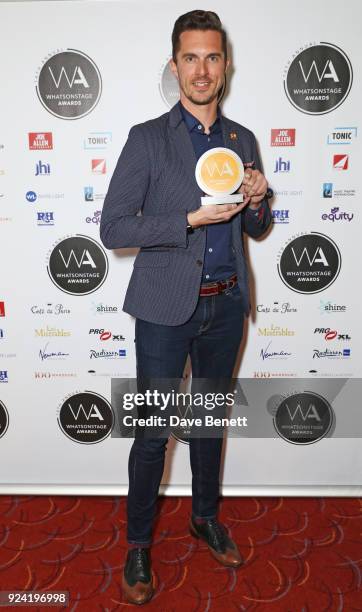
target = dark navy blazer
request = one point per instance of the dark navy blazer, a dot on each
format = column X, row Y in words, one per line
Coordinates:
column 155, row 174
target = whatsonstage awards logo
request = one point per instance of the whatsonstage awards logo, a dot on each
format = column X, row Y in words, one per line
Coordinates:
column 303, row 418
column 318, row 78
column 309, row 263
column 69, row 84
column 86, row 417
column 77, row 265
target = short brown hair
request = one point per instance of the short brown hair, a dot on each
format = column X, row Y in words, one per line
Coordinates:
column 197, row 20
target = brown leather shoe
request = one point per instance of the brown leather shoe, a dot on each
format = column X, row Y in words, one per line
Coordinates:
column 220, row 545
column 137, row 580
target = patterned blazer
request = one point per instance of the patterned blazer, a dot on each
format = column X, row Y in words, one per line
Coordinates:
column 152, row 189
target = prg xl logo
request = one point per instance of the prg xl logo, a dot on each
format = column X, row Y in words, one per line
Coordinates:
column 318, row 79
column 69, row 84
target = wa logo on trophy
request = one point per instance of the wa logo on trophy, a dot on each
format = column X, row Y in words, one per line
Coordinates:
column 86, row 418
column 78, row 265
column 309, row 263
column 69, row 84
column 318, row 79
column 303, row 418
column 219, row 173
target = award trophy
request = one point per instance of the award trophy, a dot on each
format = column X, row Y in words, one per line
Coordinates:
column 219, row 172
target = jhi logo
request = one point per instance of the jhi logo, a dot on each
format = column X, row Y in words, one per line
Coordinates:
column 282, row 166
column 45, row 218
column 42, row 169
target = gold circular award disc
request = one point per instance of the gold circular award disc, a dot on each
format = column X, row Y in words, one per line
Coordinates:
column 219, row 171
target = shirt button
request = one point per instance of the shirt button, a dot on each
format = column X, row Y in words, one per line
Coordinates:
column 208, row 140
column 199, row 127
column 207, row 276
column 199, row 262
column 210, row 250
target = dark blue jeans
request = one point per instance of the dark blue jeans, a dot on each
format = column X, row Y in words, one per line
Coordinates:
column 212, row 338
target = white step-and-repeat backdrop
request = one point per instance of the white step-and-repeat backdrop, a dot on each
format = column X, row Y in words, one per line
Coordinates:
column 75, row 77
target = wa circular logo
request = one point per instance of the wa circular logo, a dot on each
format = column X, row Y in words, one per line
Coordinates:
column 69, row 84
column 4, row 419
column 318, row 79
column 303, row 418
column 309, row 263
column 78, row 265
column 168, row 85
column 86, row 417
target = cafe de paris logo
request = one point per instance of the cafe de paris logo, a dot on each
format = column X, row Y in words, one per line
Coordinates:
column 77, row 265
column 318, row 78
column 69, row 84
column 86, row 417
column 309, row 263
column 303, row 418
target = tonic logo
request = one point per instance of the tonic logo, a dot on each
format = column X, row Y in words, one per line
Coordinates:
column 214, row 168
column 323, row 75
column 81, row 80
column 318, row 257
column 307, row 413
column 92, row 412
column 85, row 260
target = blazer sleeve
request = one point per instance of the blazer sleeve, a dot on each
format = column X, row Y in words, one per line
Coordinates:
column 122, row 223
column 255, row 221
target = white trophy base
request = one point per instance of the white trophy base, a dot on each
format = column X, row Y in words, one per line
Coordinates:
column 235, row 198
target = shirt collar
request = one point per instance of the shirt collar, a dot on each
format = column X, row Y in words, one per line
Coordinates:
column 192, row 122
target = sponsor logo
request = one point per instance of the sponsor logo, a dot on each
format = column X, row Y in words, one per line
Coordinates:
column 50, row 375
column 318, row 79
column 331, row 334
column 86, row 417
column 99, row 166
column 46, row 354
column 4, row 376
column 42, row 169
column 32, row 196
column 309, row 263
column 330, row 354
column 78, row 265
column 90, row 196
column 327, row 190
column 280, row 307
column 50, row 309
column 282, row 137
column 103, row 354
column 51, row 332
column 98, row 140
column 288, row 192
column 280, row 216
column 110, row 374
column 275, row 330
column 168, row 85
column 342, row 135
column 340, row 162
column 4, row 419
column 303, row 418
column 100, row 308
column 40, row 141
column 274, row 374
column 330, row 192
column 329, row 307
column 269, row 353
column 281, row 165
column 5, row 219
column 45, row 218
column 106, row 335
column 69, row 84
column 337, row 215
column 96, row 217
column 2, row 309
column 331, row 374
column 1, row 334
column 7, row 355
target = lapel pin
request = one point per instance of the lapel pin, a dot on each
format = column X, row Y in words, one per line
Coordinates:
column 233, row 136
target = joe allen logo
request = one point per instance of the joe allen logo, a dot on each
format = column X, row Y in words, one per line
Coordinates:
column 309, row 263
column 303, row 418
column 86, row 417
column 318, row 79
column 69, row 84
column 78, row 265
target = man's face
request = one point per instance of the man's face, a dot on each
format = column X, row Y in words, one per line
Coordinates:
column 200, row 65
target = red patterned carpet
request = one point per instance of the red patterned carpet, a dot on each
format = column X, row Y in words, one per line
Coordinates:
column 302, row 554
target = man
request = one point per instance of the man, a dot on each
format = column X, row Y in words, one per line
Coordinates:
column 189, row 288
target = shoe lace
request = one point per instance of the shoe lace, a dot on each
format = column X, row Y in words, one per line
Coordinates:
column 140, row 557
column 218, row 532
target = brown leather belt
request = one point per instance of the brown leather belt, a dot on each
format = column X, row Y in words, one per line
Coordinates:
column 218, row 287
